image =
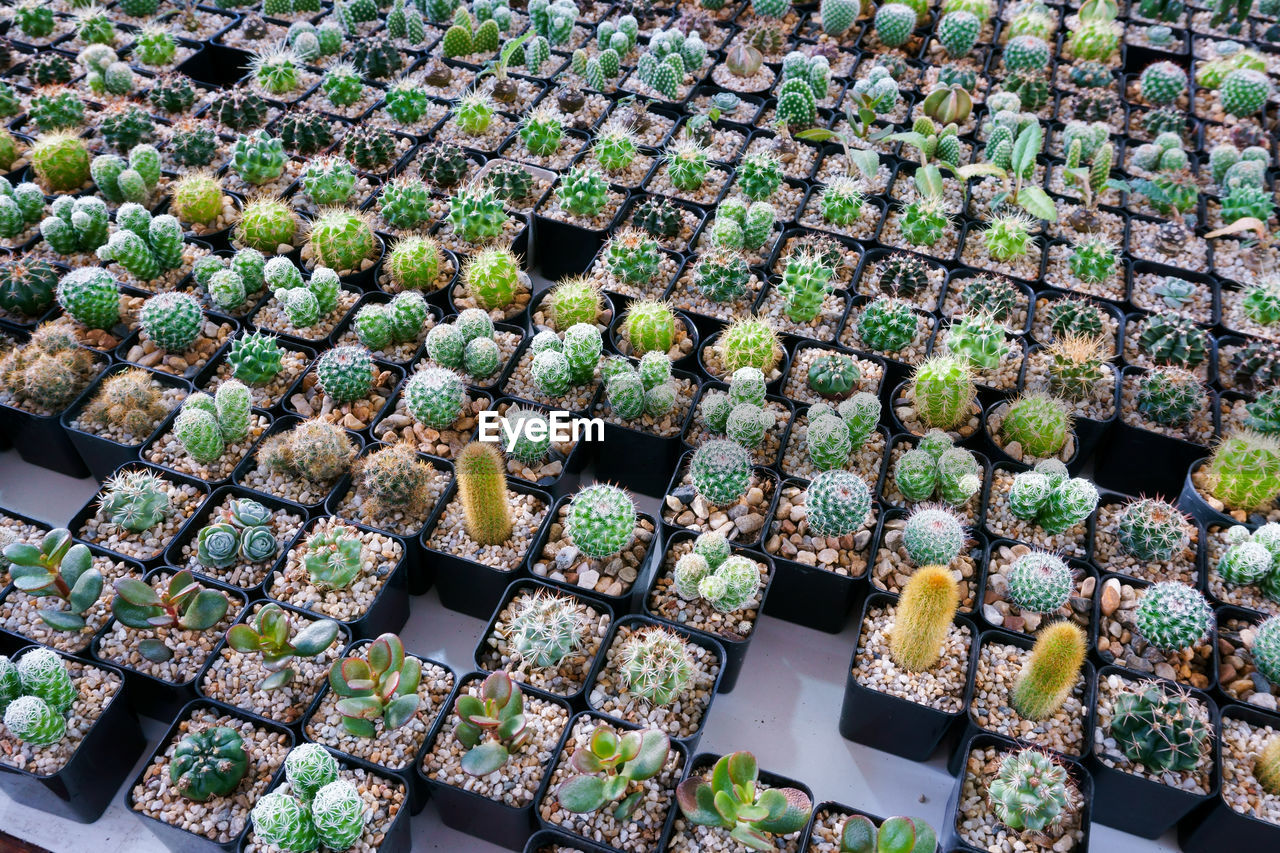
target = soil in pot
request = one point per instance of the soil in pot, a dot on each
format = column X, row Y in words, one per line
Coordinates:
column 1119, row 641
column 978, row 826
column 789, row 537
column 1000, row 611
column 234, row 677
column 1238, row 675
column 683, row 717
column 221, row 819
column 95, row 688
column 100, row 417
column 272, row 317
column 517, row 782
column 865, row 461
column 551, row 466
column 449, row 536
column 169, row 452
column 498, row 649
column 1072, row 542
column 99, row 528
column 664, row 603
column 992, row 709
column 379, row 556
column 941, row 688
column 1110, row 555
column 1099, row 404
column 685, row 296
column 641, row 832
column 1242, row 743
column 20, row 612
column 561, row 560
column 383, row 799
column 1198, row 780
column 396, row 748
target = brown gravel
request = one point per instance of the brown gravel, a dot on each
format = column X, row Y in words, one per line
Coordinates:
column 380, row 556
column 95, row 688
column 941, row 688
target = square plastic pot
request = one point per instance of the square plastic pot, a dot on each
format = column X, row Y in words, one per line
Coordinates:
column 1091, row 433
column 103, row 455
column 947, row 833
column 390, row 608
column 892, row 724
column 42, row 439
column 645, row 458
column 1193, row 504
column 84, row 786
column 687, row 362
column 761, row 474
column 421, row 574
column 90, row 509
column 735, row 649
column 486, row 819
column 578, row 699
column 284, row 423
column 467, row 586
column 848, row 812
column 204, row 378
column 565, row 837
column 175, row 837
column 554, row 839
column 1216, row 826
column 629, row 601
column 1140, row 806
column 418, row 789
column 706, row 641
column 574, row 464
column 221, row 481
column 1022, row 641
column 154, row 697
column 563, row 249
column 783, row 424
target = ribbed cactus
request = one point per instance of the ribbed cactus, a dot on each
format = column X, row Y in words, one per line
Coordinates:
column 655, row 665
column 546, row 628
column 837, row 503
column 1173, row 616
column 435, row 396
column 1031, row 792
column 944, row 392
column 1050, row 673
column 1244, row 470
column 482, row 492
column 721, row 472
column 1040, row 582
column 601, row 520
column 923, row 618
column 1159, row 726
column 1039, row 423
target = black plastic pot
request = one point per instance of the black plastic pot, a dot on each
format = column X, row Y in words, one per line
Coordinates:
column 545, row 840
column 706, row 641
column 173, row 554
column 470, row 587
column 609, row 312
column 847, row 811
column 1106, row 658
column 774, row 386
column 627, row 602
column 42, row 439
column 490, row 820
column 84, row 786
column 577, row 699
column 556, row 830
column 688, row 362
column 103, row 455
column 295, row 614
column 976, row 440
column 1193, row 504
column 390, row 608
column 1075, row 463
column 1123, row 462
column 564, row 249
column 90, row 509
column 735, row 647
column 811, row 596
column 154, row 697
column 892, row 724
column 971, row 727
column 204, row 379
column 701, row 764
column 418, row 790
column 421, row 575
column 1079, row 568
column 284, row 423
column 175, row 837
column 950, row 837
column 1216, row 826
column 582, row 454
column 1135, row 804
column 646, row 457
column 760, row 475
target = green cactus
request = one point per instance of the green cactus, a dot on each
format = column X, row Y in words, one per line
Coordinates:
column 1040, row 582
column 1031, row 792
column 1173, row 616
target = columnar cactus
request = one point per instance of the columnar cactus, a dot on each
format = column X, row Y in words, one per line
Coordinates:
column 482, row 491
column 924, row 616
column 1050, row 673
column 943, row 391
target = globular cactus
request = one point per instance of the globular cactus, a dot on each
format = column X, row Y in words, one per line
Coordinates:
column 61, row 161
column 173, row 321
column 924, row 616
column 1151, row 529
column 656, row 665
column 345, row 374
column 1040, row 582
column 1031, row 792
column 268, row 225
column 933, row 536
column 435, row 396
column 721, row 472
column 601, row 520
column 315, row 450
column 546, row 628
column 943, row 391
column 837, row 503
column 1039, row 423
column 1050, row 673
column 1244, row 470
column 1173, row 616
column 1055, row 502
column 1159, row 727
column 748, row 342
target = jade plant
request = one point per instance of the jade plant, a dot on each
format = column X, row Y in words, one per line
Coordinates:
column 491, row 725
column 270, row 634
column 182, row 604
column 732, row 799
column 381, row 686
column 607, row 766
column 858, row 834
column 60, row 569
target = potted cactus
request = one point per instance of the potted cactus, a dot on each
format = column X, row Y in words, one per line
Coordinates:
column 932, row 468
column 928, row 535
column 559, row 370
column 1167, row 626
column 1025, row 588
column 652, row 325
column 299, row 461
column 1237, row 483
column 715, row 478
column 347, row 386
column 434, row 410
column 579, row 212
column 546, row 637
column 1146, row 538
column 176, row 335
column 71, row 732
column 120, row 412
column 647, row 405
column 496, row 731
column 491, row 280
column 839, row 827
column 392, row 328
column 210, row 435
column 1237, row 573
column 235, row 538
column 264, row 363
column 137, row 512
column 352, row 574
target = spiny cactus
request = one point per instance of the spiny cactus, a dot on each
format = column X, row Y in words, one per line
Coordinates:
column 923, row 618
column 1049, row 674
column 1039, row 423
column 1159, row 726
column 656, row 665
column 601, row 520
column 1040, row 582
column 1244, row 470
column 1173, row 616
column 482, row 491
column 943, row 391
column 1031, row 792
column 837, row 503
column 933, row 536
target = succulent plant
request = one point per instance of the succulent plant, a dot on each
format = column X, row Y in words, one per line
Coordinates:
column 1031, row 792
column 56, row 568
column 181, row 603
column 208, row 763
column 381, row 686
column 491, row 725
column 270, row 634
column 607, row 766
column 730, row 800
